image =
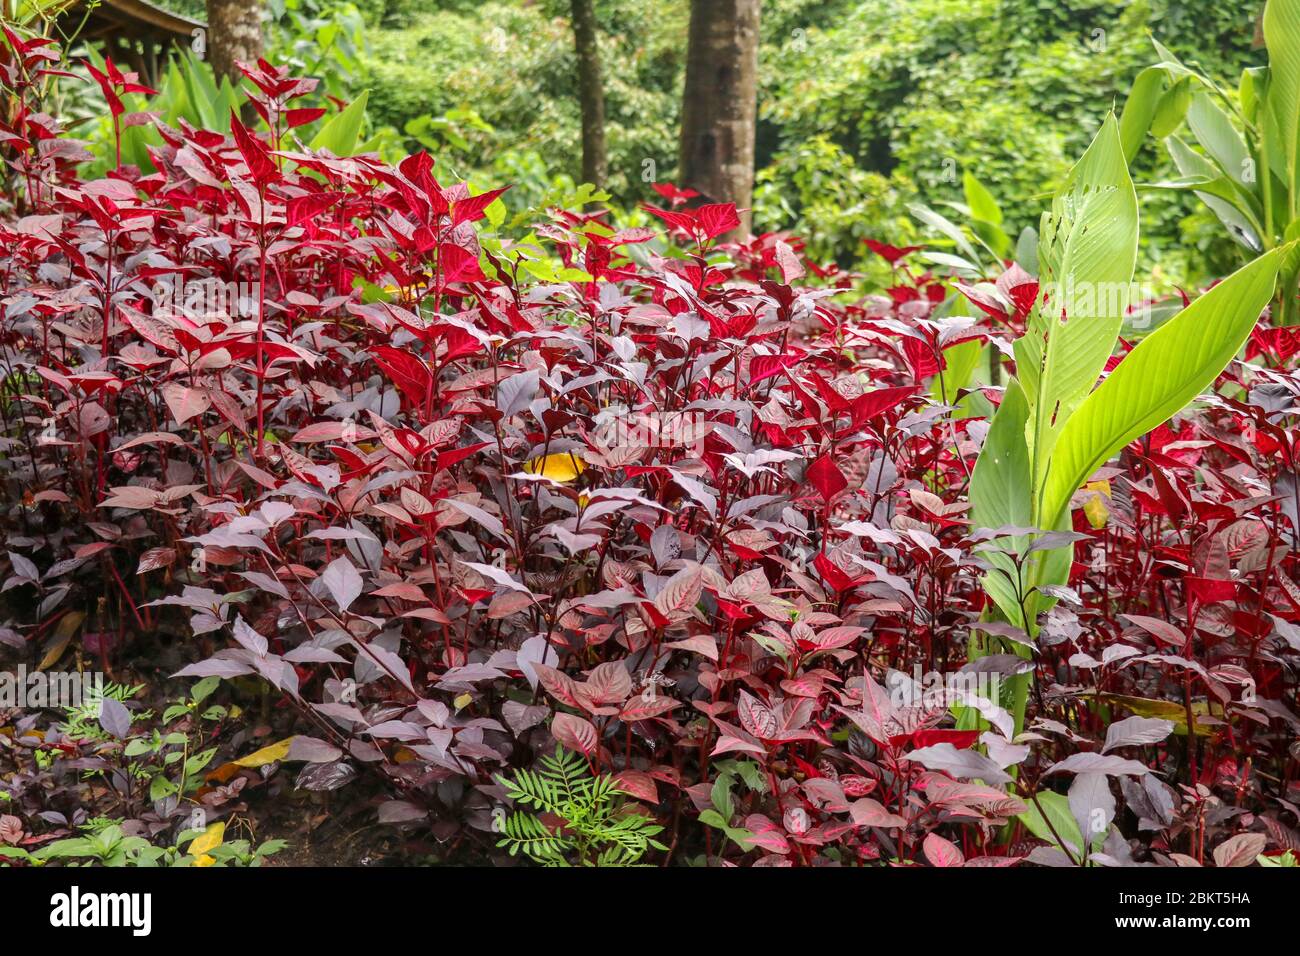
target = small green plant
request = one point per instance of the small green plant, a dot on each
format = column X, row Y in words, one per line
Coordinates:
column 103, row 843
column 170, row 759
column 166, row 758
column 723, row 800
column 595, row 827
column 100, row 845
column 82, row 720
column 1287, row 859
column 242, row 853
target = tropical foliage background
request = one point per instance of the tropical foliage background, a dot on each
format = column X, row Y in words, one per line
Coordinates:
column 864, row 105
column 392, row 470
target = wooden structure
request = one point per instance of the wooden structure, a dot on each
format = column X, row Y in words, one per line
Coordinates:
column 135, row 33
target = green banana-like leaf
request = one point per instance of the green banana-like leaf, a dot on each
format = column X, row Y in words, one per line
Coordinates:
column 980, row 200
column 1140, row 109
column 1282, row 37
column 1266, row 143
column 945, row 226
column 1250, row 87
column 1052, row 821
column 203, row 95
column 1167, row 369
column 1219, row 186
column 175, row 92
column 340, row 134
column 1224, row 199
column 960, row 361
column 1000, row 495
column 1087, row 251
column 1220, row 139
column 1172, row 108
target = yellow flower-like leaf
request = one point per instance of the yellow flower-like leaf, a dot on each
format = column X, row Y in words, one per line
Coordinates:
column 209, row 839
column 268, row 754
column 561, row 466
column 1096, row 509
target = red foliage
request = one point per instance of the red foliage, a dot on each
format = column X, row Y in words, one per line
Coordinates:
column 673, row 513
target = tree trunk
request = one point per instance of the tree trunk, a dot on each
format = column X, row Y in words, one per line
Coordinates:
column 591, row 93
column 720, row 103
column 234, row 33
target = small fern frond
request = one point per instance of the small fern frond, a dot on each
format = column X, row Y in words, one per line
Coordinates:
column 596, row 829
column 525, row 833
column 532, row 790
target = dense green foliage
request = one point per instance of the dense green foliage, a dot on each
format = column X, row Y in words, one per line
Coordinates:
column 864, row 106
column 924, row 90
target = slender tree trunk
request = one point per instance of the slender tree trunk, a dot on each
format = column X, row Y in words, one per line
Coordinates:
column 591, row 93
column 720, row 103
column 234, row 33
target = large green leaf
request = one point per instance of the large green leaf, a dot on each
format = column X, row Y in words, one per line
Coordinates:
column 1052, row 821
column 1000, row 494
column 980, row 200
column 1214, row 131
column 1266, row 145
column 960, row 361
column 1087, row 250
column 1212, row 185
column 1167, row 369
column 340, row 134
column 204, row 96
column 1282, row 37
column 945, row 226
column 1172, row 108
column 1140, row 109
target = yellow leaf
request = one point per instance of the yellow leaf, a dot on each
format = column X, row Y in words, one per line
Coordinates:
column 1096, row 509
column 209, row 839
column 259, row 758
column 1167, row 710
column 266, row 755
column 62, row 635
column 562, row 466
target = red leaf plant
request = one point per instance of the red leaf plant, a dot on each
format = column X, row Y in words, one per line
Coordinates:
column 703, row 526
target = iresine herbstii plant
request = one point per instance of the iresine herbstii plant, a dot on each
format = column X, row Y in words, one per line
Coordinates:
column 450, row 492
column 1053, row 429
